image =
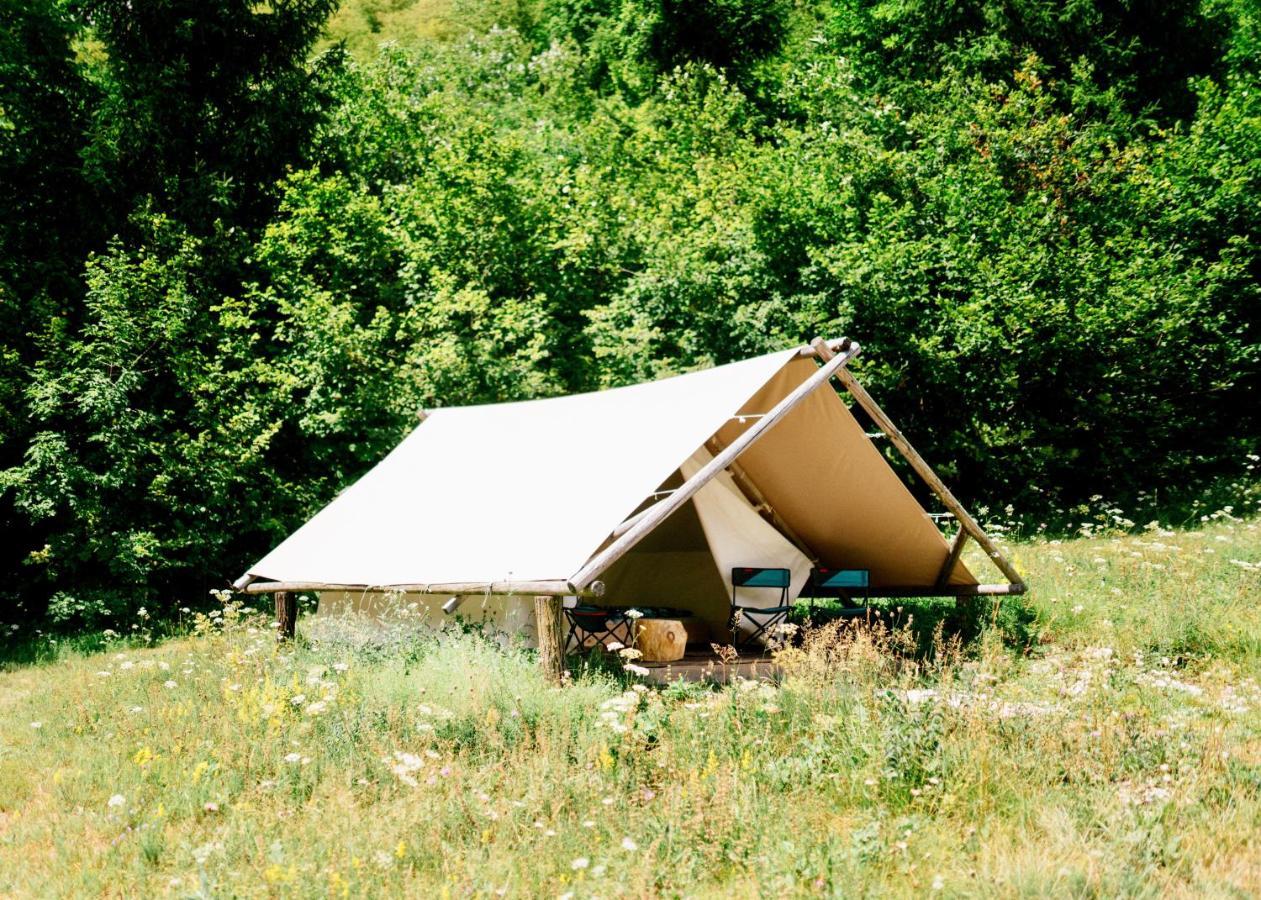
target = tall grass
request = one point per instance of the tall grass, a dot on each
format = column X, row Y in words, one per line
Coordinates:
column 1102, row 736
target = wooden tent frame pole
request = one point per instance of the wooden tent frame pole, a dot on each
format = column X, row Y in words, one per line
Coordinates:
column 924, row 470
column 494, row 589
column 954, row 590
column 551, row 637
column 637, row 532
column 952, row 560
column 286, row 615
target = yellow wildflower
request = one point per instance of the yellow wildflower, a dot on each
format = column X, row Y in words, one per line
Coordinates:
column 711, row 765
column 606, row 758
column 144, row 756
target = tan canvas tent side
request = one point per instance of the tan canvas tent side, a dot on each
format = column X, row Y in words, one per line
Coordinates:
column 639, row 495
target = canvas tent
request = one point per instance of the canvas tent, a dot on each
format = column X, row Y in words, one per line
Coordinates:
column 647, row 494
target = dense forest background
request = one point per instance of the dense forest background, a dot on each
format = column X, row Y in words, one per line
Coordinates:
column 241, row 244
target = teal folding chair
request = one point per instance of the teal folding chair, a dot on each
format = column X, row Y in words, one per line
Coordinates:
column 746, row 578
column 843, row 584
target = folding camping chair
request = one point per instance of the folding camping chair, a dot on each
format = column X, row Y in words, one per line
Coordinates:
column 843, row 584
column 603, row 624
column 745, row 578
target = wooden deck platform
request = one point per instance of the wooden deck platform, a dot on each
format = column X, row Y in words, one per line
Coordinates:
column 704, row 665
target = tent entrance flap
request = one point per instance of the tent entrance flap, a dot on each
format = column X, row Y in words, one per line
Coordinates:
column 686, row 562
column 737, row 535
column 672, row 567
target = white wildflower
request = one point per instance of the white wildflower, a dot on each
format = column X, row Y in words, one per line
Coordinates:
column 116, row 801
column 405, row 766
column 629, row 845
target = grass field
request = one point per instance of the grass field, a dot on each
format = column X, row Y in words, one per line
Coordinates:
column 1100, row 737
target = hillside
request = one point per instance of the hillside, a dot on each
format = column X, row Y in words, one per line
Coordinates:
column 1116, row 754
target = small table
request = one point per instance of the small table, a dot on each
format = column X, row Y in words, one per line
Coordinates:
column 659, row 639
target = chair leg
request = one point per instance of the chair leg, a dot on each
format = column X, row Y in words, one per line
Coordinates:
column 763, row 629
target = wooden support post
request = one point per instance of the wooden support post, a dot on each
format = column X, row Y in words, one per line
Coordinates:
column 966, row 522
column 551, row 637
column 956, row 550
column 286, row 615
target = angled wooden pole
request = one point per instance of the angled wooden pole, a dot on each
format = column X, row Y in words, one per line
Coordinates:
column 956, row 550
column 966, row 522
column 637, row 532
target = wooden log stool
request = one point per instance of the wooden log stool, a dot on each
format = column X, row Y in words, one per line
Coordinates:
column 660, row 640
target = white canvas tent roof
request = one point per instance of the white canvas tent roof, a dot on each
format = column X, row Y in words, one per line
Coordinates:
column 535, row 496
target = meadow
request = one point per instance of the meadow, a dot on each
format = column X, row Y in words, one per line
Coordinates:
column 1099, row 737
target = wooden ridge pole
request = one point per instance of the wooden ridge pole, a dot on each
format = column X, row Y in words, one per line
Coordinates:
column 637, row 532
column 966, row 522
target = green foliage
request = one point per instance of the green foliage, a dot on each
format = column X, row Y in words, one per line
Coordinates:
column 233, row 269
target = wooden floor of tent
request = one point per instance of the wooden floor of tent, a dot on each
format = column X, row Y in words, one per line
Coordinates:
column 704, row 665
